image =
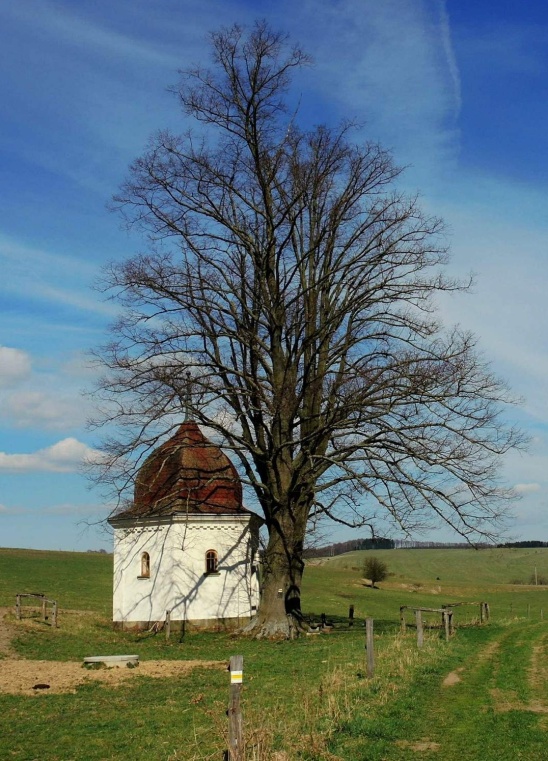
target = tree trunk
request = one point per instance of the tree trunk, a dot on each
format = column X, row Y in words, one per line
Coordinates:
column 279, row 614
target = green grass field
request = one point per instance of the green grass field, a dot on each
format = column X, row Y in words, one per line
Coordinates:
column 308, row 699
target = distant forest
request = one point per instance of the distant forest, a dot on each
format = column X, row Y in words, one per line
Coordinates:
column 382, row 543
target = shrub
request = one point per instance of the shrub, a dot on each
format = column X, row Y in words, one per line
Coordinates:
column 375, row 570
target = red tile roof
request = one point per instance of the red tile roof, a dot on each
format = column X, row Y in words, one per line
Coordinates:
column 187, row 473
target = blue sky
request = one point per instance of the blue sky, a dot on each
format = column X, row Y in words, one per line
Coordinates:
column 456, row 88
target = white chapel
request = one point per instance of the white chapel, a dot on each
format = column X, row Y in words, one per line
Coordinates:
column 186, row 544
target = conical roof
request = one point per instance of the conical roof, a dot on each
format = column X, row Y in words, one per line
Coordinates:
column 186, row 474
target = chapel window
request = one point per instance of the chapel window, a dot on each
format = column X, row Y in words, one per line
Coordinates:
column 211, row 561
column 145, row 565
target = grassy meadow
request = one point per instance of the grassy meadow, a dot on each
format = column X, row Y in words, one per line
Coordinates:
column 309, row 699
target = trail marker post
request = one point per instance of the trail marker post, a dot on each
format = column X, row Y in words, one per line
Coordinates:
column 235, row 723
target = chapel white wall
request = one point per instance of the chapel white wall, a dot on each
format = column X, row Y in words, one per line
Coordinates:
column 177, row 580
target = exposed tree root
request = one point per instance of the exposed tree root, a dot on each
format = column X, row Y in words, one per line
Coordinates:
column 287, row 627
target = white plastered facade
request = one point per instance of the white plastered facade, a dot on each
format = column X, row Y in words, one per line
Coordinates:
column 178, row 580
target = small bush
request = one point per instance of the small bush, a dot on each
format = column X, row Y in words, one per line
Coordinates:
column 375, row 570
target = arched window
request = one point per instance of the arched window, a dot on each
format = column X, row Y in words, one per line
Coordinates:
column 145, row 565
column 211, row 561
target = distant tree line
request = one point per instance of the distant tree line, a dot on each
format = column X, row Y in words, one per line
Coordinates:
column 382, row 543
column 411, row 544
column 534, row 543
column 339, row 548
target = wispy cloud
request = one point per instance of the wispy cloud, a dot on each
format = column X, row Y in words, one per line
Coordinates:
column 452, row 65
column 62, row 24
column 391, row 65
column 15, row 365
column 507, row 48
column 5, row 510
column 499, row 233
column 52, row 277
column 65, row 456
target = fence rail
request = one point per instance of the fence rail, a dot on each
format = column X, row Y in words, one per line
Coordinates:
column 44, row 604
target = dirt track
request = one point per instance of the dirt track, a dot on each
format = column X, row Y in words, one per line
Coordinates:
column 19, row 676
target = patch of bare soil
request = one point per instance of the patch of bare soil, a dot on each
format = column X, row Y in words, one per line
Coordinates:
column 419, row 746
column 490, row 650
column 45, row 677
column 452, row 678
column 22, row 677
column 505, row 701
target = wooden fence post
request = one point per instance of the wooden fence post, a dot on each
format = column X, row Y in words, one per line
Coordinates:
column 487, row 612
column 54, row 614
column 351, row 616
column 420, row 632
column 447, row 623
column 44, row 606
column 402, row 619
column 168, row 624
column 18, row 607
column 235, row 724
column 369, row 646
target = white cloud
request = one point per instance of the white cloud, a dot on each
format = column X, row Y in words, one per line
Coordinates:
column 15, row 366
column 527, row 488
column 45, row 392
column 66, row 456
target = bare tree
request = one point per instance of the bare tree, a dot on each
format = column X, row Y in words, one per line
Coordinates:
column 296, row 284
